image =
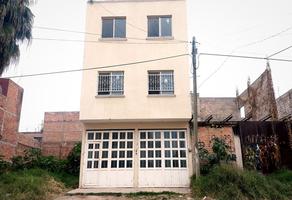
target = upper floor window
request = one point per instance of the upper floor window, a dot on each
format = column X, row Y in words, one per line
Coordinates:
column 113, row 27
column 110, row 83
column 160, row 82
column 159, row 26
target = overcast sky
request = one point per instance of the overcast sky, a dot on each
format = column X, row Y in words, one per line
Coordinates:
column 225, row 26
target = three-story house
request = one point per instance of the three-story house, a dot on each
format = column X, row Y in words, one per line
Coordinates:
column 135, row 107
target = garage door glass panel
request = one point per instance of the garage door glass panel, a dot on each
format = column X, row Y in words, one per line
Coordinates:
column 163, row 149
column 109, row 149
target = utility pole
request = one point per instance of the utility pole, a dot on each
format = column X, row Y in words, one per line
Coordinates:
column 195, row 110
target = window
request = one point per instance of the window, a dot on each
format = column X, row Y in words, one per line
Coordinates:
column 242, row 112
column 101, row 155
column 114, row 27
column 110, row 83
column 160, row 82
column 159, row 26
column 166, row 153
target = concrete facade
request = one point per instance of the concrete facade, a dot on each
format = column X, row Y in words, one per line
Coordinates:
column 135, row 104
column 61, row 131
column 137, row 111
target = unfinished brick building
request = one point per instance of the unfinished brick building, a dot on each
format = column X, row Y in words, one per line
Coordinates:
column 60, row 133
column 11, row 142
column 284, row 105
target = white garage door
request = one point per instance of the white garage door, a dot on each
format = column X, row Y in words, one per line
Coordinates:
column 163, row 158
column 109, row 159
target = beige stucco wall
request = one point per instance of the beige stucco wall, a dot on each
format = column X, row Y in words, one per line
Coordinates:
column 136, row 104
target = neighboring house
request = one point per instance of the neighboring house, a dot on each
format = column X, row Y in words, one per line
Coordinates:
column 12, row 143
column 136, row 117
column 35, row 135
column 61, row 131
column 284, row 105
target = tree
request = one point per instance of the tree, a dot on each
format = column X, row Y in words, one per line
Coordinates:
column 15, row 27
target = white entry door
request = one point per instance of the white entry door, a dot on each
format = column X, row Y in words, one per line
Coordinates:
column 163, row 158
column 109, row 159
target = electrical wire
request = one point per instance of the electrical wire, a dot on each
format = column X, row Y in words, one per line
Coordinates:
column 130, row 24
column 279, row 51
column 90, row 33
column 243, row 46
column 267, row 38
column 106, row 41
column 95, row 68
column 246, row 57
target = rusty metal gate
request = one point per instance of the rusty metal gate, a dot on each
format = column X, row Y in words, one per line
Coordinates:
column 266, row 145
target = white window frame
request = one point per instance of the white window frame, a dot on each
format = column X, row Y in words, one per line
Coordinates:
column 159, row 25
column 110, row 91
column 161, row 91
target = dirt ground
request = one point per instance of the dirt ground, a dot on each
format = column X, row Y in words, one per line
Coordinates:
column 125, row 197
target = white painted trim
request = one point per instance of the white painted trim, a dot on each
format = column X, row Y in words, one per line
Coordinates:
column 135, row 120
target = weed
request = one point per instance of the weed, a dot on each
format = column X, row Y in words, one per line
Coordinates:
column 228, row 182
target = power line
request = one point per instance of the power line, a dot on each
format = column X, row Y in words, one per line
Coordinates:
column 242, row 46
column 279, row 51
column 130, row 24
column 246, row 57
column 267, row 38
column 90, row 33
column 106, row 41
column 94, row 68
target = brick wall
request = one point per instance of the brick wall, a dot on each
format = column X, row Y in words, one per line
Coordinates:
column 35, row 135
column 259, row 98
column 11, row 142
column 219, row 108
column 10, row 108
column 284, row 104
column 25, row 142
column 206, row 134
column 60, row 133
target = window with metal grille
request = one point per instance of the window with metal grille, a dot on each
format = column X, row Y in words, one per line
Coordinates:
column 110, row 83
column 159, row 26
column 113, row 27
column 160, row 82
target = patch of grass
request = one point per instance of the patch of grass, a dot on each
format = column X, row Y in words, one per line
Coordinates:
column 70, row 181
column 227, row 182
column 33, row 184
column 284, row 176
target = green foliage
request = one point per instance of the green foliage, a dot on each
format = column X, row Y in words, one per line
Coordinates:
column 250, row 158
column 69, row 180
column 34, row 176
column 51, row 163
column 73, row 160
column 29, row 160
column 15, row 26
column 4, row 165
column 227, row 182
column 221, row 154
column 34, row 159
column 33, row 184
